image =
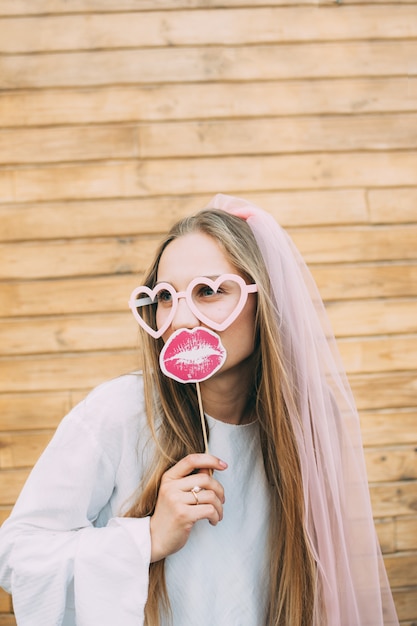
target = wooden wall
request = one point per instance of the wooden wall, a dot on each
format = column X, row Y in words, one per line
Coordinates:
column 118, row 116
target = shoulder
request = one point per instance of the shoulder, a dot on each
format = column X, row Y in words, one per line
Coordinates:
column 112, row 415
column 116, row 404
column 123, row 394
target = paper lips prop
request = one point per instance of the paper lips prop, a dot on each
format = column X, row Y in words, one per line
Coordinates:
column 191, row 356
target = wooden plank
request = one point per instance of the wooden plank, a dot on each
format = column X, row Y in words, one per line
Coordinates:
column 67, row 144
column 393, row 205
column 32, row 411
column 391, row 464
column 406, row 533
column 385, row 529
column 68, row 334
column 406, row 604
column 129, row 254
column 106, row 217
column 208, row 175
column 379, row 354
column 366, row 281
column 362, row 243
column 65, row 372
column 230, row 26
column 74, row 181
column 22, row 449
column 55, row 297
column 155, row 65
column 390, row 390
column 133, row 216
column 394, row 499
column 7, row 620
column 5, row 602
column 388, row 427
column 11, row 484
column 211, row 138
column 279, row 135
column 212, row 100
column 39, row 7
column 401, row 568
column 76, row 258
column 369, row 317
column 6, row 186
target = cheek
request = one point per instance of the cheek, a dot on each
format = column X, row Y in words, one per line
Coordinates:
column 158, row 318
column 239, row 339
column 161, row 316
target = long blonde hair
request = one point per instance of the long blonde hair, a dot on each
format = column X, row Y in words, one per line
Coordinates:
column 173, row 418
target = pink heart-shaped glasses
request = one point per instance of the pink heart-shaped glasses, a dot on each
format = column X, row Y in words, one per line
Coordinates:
column 216, row 303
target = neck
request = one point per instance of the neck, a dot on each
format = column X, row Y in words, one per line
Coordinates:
column 228, row 397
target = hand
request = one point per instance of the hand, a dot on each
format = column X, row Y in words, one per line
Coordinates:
column 176, row 509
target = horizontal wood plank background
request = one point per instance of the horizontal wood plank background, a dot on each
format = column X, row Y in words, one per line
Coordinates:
column 117, row 117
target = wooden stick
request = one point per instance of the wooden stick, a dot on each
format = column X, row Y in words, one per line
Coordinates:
column 203, row 421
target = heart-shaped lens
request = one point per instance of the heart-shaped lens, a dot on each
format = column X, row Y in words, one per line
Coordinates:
column 217, row 303
column 144, row 303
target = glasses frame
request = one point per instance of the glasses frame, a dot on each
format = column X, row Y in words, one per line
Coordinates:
column 245, row 290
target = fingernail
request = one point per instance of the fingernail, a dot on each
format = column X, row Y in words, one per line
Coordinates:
column 222, row 464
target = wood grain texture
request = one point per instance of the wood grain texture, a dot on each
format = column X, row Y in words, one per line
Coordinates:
column 202, row 101
column 150, row 215
column 206, row 175
column 388, row 427
column 201, row 27
column 176, row 64
column 39, row 7
column 226, row 137
column 5, row 602
column 391, row 464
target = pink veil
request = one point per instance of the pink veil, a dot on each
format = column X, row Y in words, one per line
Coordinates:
column 351, row 572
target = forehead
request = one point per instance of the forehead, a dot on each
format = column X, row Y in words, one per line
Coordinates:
column 195, row 254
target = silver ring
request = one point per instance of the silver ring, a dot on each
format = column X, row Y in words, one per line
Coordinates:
column 195, row 490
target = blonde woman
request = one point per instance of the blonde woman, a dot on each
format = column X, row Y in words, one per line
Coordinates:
column 128, row 518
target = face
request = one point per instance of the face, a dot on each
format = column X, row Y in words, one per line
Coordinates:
column 198, row 254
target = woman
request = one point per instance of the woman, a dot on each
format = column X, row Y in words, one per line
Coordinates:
column 290, row 538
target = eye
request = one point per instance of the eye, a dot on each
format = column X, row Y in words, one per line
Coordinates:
column 164, row 297
column 206, row 292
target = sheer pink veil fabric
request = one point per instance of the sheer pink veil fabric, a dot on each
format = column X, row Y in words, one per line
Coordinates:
column 351, row 572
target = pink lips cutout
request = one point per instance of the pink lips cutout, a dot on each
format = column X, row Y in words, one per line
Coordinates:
column 191, row 356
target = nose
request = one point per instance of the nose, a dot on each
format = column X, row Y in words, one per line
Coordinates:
column 184, row 317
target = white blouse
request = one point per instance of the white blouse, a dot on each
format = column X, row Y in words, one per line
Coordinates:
column 69, row 557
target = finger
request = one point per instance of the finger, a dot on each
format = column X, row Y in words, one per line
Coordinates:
column 206, row 511
column 193, row 462
column 206, row 498
column 203, row 481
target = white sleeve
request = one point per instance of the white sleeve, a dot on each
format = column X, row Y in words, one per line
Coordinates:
column 112, row 589
column 54, row 560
